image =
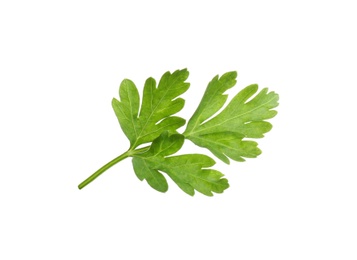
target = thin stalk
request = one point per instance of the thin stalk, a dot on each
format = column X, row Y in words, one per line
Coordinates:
column 110, row 164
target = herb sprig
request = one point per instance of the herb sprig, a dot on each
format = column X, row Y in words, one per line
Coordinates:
column 224, row 135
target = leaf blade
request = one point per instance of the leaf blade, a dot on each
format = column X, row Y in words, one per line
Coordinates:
column 127, row 108
column 214, row 98
column 159, row 104
column 244, row 117
column 188, row 171
column 155, row 179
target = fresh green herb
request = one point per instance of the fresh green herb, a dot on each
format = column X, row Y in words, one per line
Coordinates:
column 186, row 170
column 223, row 134
column 159, row 104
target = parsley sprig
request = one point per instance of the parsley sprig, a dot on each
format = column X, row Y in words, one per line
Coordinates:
column 224, row 135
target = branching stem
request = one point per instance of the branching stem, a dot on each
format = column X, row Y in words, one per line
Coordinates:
column 110, row 164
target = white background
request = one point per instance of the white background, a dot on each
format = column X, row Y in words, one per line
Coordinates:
column 62, row 62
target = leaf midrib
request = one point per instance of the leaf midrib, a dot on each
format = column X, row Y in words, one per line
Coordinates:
column 153, row 111
column 223, row 122
column 200, row 114
column 216, row 143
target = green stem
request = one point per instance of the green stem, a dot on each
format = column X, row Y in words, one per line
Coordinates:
column 110, row 164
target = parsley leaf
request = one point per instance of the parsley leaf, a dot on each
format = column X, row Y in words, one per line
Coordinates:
column 224, row 134
column 158, row 106
column 189, row 171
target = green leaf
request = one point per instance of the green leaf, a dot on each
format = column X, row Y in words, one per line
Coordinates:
column 154, row 178
column 213, row 99
column 158, row 105
column 188, row 171
column 226, row 132
column 244, row 117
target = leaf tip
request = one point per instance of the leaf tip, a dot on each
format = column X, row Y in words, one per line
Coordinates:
column 231, row 75
column 183, row 72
